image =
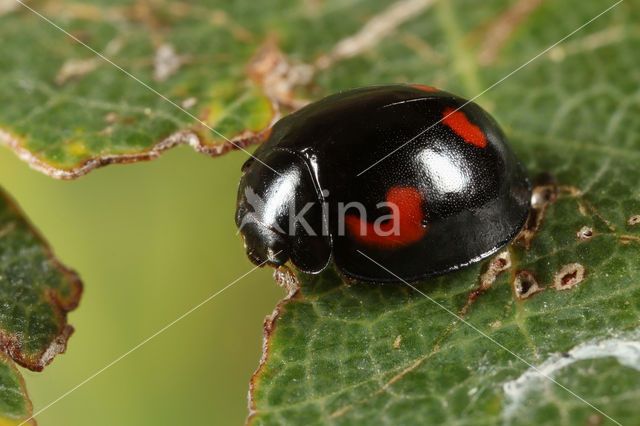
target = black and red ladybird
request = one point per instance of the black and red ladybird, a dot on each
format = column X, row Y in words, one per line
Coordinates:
column 456, row 190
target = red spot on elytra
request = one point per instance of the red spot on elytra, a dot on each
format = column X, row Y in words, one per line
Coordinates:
column 424, row 88
column 459, row 123
column 404, row 228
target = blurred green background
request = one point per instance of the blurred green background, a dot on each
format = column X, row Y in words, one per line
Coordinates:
column 150, row 241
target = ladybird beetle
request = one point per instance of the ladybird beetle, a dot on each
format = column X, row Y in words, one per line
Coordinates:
column 418, row 179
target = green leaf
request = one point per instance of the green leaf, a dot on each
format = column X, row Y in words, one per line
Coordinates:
column 66, row 111
column 15, row 406
column 36, row 292
column 371, row 354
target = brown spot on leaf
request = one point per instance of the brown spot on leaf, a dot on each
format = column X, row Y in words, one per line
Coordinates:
column 83, row 36
column 582, row 209
column 397, row 341
column 189, row 102
column 112, row 117
column 106, row 131
column 271, row 69
column 544, row 193
column 585, row 233
column 7, row 6
column 526, row 284
column 587, row 43
column 74, row 69
column 496, row 324
column 500, row 263
column 628, row 239
column 569, row 276
column 167, row 62
column 222, row 19
column 501, row 29
column 594, row 419
column 373, row 31
column 340, row 411
column 150, row 15
column 634, row 220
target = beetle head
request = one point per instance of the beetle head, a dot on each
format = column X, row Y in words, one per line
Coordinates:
column 263, row 241
column 272, row 191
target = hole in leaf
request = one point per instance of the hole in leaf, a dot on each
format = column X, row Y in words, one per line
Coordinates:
column 499, row 264
column 526, row 284
column 569, row 276
column 585, row 233
column 543, row 194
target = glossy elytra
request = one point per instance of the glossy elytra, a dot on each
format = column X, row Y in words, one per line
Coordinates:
column 460, row 192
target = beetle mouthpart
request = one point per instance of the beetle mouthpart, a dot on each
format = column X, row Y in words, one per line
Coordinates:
column 274, row 258
column 263, row 245
column 259, row 260
column 271, row 257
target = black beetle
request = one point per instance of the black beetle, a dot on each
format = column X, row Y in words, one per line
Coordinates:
column 452, row 190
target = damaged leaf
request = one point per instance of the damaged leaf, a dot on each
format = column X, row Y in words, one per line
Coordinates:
column 36, row 292
column 572, row 283
column 67, row 111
